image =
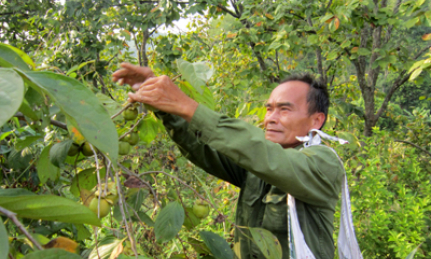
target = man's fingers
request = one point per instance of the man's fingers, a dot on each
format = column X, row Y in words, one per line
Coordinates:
column 139, row 97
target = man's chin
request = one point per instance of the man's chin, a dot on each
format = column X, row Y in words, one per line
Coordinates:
column 272, row 138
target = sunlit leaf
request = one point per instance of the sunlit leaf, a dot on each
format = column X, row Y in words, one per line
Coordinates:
column 218, row 246
column 197, row 74
column 169, row 221
column 85, row 179
column 267, row 243
column 415, row 74
column 9, row 58
column 11, row 93
column 149, row 128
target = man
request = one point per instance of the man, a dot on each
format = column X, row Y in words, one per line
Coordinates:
column 265, row 165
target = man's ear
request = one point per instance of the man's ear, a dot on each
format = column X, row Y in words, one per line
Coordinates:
column 318, row 120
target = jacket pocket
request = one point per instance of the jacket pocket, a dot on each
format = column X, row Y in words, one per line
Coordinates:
column 275, row 215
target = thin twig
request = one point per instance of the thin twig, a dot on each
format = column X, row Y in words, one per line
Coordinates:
column 15, row 220
column 98, row 199
column 156, row 201
column 413, row 144
column 133, row 127
column 122, row 110
column 121, row 202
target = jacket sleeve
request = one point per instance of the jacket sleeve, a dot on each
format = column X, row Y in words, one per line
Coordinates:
column 312, row 174
column 200, row 153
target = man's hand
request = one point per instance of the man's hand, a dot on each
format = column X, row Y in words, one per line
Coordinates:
column 132, row 75
column 158, row 92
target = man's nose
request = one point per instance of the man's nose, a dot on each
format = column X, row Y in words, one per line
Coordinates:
column 272, row 117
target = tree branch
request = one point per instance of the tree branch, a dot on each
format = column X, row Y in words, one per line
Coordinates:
column 15, row 220
column 413, row 144
column 53, row 122
column 228, row 11
column 398, row 83
column 318, row 57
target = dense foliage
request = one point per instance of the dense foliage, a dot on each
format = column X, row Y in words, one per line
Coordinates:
column 86, row 175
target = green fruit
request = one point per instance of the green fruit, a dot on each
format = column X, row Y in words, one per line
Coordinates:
column 105, row 208
column 86, row 149
column 130, row 114
column 201, row 209
column 123, row 148
column 132, row 138
column 73, row 150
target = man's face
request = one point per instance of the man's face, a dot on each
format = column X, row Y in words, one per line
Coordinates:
column 287, row 114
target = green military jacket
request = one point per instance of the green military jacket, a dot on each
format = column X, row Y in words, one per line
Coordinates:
column 238, row 152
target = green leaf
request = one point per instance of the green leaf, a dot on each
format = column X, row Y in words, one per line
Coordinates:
column 28, row 111
column 84, row 109
column 45, row 169
column 412, row 253
column 332, row 55
column 82, row 232
column 197, row 74
column 105, row 248
column 206, row 98
column 53, row 253
column 410, row 23
column 122, row 256
column 148, row 129
column 218, row 246
column 48, row 207
column 111, row 106
column 4, row 241
column 11, row 93
column 27, row 141
column 363, row 52
column 267, row 243
column 353, row 144
column 191, row 220
column 415, row 74
column 9, row 58
column 15, row 192
column 77, row 67
column 86, row 179
column 22, row 54
column 58, row 152
column 169, row 222
column 199, row 246
column 144, row 218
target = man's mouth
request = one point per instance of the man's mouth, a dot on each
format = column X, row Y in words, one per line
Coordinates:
column 273, row 131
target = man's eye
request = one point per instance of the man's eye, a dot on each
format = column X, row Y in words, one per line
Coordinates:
column 285, row 109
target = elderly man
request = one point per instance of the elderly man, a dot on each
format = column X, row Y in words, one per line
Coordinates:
column 266, row 165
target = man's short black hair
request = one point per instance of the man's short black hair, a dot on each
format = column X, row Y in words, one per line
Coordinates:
column 317, row 97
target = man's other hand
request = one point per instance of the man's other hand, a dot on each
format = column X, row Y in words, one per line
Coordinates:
column 132, row 75
column 158, row 92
